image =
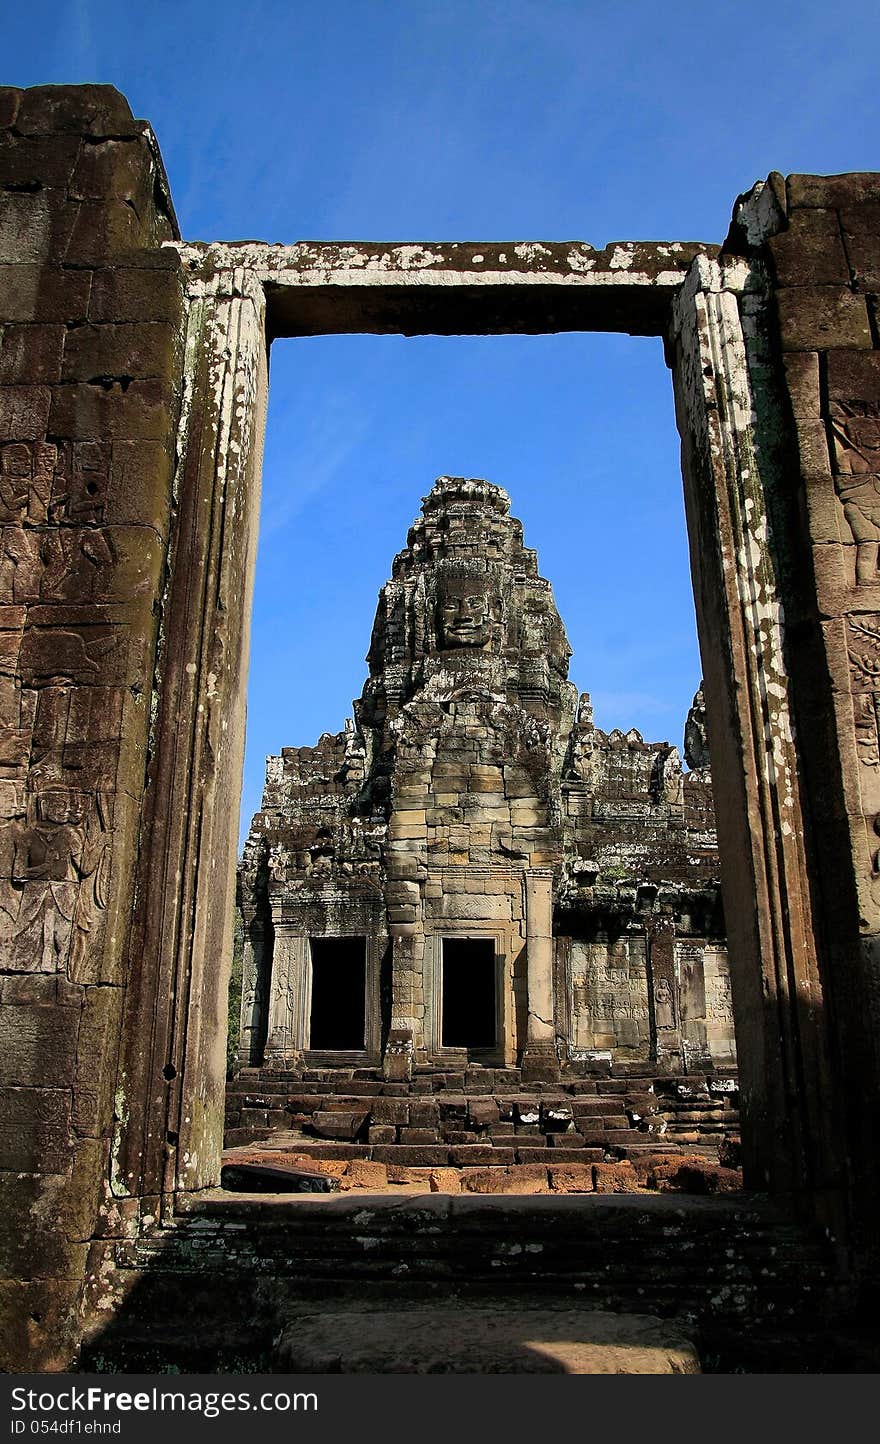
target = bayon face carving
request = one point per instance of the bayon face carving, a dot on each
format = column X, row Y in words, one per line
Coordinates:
column 470, row 611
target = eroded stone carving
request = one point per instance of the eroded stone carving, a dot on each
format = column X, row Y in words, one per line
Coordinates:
column 56, row 885
column 863, row 637
column 855, row 437
column 696, row 737
column 470, row 610
column 664, row 1004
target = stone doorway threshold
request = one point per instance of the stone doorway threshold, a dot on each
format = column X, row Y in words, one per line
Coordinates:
column 468, row 1339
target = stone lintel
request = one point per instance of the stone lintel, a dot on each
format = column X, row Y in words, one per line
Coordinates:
column 449, row 288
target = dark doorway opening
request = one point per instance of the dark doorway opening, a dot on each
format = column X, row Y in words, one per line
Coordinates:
column 468, row 993
column 339, row 976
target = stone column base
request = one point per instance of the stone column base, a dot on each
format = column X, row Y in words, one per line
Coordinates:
column 283, row 1060
column 540, row 1063
column 397, row 1064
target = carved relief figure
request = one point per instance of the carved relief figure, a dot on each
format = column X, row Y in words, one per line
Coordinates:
column 59, row 870
column 664, row 1004
column 861, row 507
column 26, row 480
column 855, row 431
column 864, row 657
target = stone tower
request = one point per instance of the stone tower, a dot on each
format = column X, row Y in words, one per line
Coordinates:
column 424, row 888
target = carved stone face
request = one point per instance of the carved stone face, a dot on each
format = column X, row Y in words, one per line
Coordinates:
column 469, row 610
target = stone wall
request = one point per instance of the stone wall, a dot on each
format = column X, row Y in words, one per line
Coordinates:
column 90, row 384
column 819, row 239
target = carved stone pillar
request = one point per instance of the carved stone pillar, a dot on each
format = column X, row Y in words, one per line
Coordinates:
column 180, row 952
column 289, row 1000
column 253, row 994
column 665, row 1004
column 540, row 1060
column 734, row 498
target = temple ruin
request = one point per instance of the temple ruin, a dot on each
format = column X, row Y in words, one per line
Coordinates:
column 472, row 872
column 133, row 386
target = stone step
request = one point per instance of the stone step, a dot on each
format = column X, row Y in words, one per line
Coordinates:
column 734, row 1265
column 469, row 1339
column 663, row 1245
column 682, row 1087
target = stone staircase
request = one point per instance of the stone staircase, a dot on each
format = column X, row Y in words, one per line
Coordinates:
column 483, row 1116
column 218, row 1288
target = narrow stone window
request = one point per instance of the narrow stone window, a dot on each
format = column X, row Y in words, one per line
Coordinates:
column 469, row 990
column 339, row 973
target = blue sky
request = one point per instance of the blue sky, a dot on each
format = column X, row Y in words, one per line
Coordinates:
column 470, row 119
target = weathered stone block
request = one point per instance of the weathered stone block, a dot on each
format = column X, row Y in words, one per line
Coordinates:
column 10, row 100
column 853, row 377
column 571, row 1177
column 102, row 230
column 339, row 1124
column 24, row 412
column 424, row 1113
column 142, row 349
column 479, row 1154
column 94, row 110
column 254, row 1118
column 802, row 380
column 29, row 1249
column 482, row 1112
column 852, row 188
column 588, row 1107
column 118, row 168
column 365, row 1174
column 810, row 252
column 33, row 229
column 817, row 318
column 416, row 1180
column 419, row 1135
column 31, row 354
column 390, row 1110
column 412, row 1156
column 861, row 230
column 615, row 1178
column 131, row 293
column 812, row 443
column 38, row 1044
column 140, row 411
column 37, row 293
column 39, row 1318
column 38, row 163
column 445, row 1180
column 35, row 1130
column 95, row 1074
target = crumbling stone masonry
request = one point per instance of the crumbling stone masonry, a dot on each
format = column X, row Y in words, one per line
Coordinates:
column 525, row 889
column 132, row 395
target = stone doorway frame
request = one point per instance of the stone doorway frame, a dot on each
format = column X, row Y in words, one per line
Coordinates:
column 711, row 312
column 503, row 1051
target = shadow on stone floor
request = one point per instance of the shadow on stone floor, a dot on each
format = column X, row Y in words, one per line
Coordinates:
column 437, row 1283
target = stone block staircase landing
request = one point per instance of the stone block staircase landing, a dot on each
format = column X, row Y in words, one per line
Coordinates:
column 483, row 1116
